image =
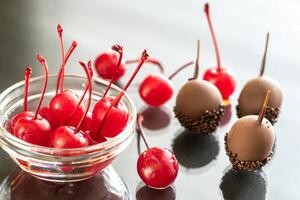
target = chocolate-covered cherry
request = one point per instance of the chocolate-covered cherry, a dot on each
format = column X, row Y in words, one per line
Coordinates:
column 156, row 166
column 35, row 130
column 70, row 136
column 25, row 113
column 111, row 109
column 157, row 89
column 222, row 78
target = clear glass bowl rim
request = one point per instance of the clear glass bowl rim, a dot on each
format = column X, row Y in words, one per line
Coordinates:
column 8, row 137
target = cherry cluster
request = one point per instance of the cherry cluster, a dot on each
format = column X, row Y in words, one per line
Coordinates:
column 65, row 122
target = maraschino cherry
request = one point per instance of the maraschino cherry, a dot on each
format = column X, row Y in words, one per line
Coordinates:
column 157, row 167
column 107, row 63
column 25, row 113
column 221, row 77
column 35, row 129
column 157, row 89
column 72, row 137
column 110, row 109
column 65, row 101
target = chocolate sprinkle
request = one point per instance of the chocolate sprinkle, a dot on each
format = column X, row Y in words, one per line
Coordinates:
column 271, row 114
column 244, row 165
column 207, row 122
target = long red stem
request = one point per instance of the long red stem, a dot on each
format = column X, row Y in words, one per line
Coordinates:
column 149, row 60
column 27, row 74
column 61, row 74
column 89, row 67
column 89, row 86
column 180, row 69
column 45, row 66
column 118, row 49
column 207, row 12
column 142, row 61
column 118, row 98
column 140, row 119
column 62, row 47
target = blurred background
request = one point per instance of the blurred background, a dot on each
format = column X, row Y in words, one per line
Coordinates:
column 168, row 30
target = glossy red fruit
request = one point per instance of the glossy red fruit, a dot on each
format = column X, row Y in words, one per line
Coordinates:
column 68, row 137
column 16, row 119
column 224, row 79
column 33, row 131
column 115, row 121
column 157, row 167
column 45, row 113
column 87, row 123
column 62, row 106
column 25, row 113
column 106, row 64
column 156, row 90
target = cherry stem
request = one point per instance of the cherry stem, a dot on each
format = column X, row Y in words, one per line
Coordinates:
column 149, row 60
column 45, row 66
column 27, row 74
column 180, row 69
column 263, row 62
column 60, row 31
column 89, row 86
column 61, row 73
column 196, row 71
column 142, row 61
column 118, row 49
column 264, row 107
column 89, row 67
column 118, row 98
column 212, row 33
column 140, row 120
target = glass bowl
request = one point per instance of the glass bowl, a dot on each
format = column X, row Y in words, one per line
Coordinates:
column 61, row 165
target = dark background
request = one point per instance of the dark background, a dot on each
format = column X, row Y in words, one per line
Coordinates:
column 168, row 30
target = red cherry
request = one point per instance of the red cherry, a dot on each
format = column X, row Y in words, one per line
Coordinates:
column 157, row 167
column 72, row 137
column 62, row 106
column 16, row 119
column 110, row 110
column 25, row 113
column 35, row 130
column 156, row 90
column 67, row 137
column 223, row 79
column 45, row 113
column 118, row 114
column 87, row 122
column 107, row 63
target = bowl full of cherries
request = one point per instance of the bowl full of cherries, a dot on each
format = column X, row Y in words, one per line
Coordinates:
column 67, row 127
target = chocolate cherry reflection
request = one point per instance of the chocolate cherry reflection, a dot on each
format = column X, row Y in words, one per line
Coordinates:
column 156, row 166
column 35, row 129
column 199, row 104
column 110, row 109
column 221, row 77
column 250, row 140
column 254, row 91
column 72, row 137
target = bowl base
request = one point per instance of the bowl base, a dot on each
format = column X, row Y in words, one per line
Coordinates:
column 105, row 185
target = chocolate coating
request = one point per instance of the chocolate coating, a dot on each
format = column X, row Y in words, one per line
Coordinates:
column 196, row 97
column 249, row 140
column 253, row 94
